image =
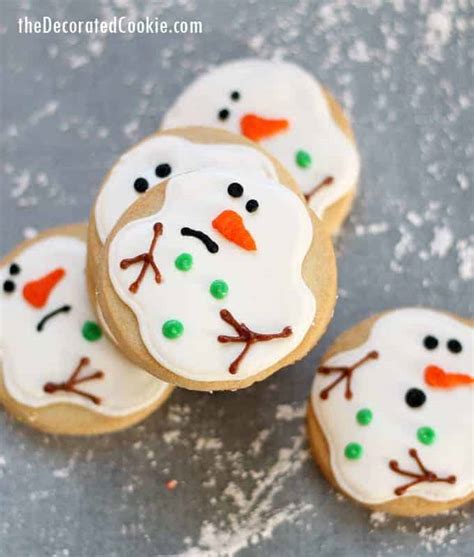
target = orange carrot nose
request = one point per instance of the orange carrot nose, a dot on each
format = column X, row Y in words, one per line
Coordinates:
column 231, row 226
column 438, row 378
column 36, row 292
column 256, row 128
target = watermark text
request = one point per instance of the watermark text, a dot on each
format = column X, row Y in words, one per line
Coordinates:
column 116, row 25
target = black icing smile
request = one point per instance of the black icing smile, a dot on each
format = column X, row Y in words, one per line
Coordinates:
column 211, row 246
column 48, row 316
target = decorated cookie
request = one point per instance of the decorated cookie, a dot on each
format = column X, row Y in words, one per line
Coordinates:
column 58, row 372
column 284, row 109
column 160, row 156
column 216, row 279
column 391, row 413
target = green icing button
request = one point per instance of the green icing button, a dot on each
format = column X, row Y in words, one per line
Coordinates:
column 172, row 328
column 219, row 289
column 364, row 416
column 353, row 451
column 184, row 262
column 426, row 435
column 91, row 331
column 303, row 159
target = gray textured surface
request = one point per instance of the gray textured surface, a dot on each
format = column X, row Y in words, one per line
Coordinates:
column 70, row 105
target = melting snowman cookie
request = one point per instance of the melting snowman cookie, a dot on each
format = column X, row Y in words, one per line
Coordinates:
column 215, row 280
column 284, row 109
column 58, row 371
column 391, row 413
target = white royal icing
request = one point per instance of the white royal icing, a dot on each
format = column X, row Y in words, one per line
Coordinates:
column 117, row 192
column 276, row 90
column 30, row 359
column 381, row 385
column 266, row 288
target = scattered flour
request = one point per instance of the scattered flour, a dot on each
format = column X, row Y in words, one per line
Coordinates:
column 179, row 413
column 442, row 241
column 463, row 181
column 257, row 444
column 256, row 42
column 208, row 444
column 61, row 473
column 359, row 51
column 254, row 516
column 171, row 437
column 77, row 61
column 415, row 534
column 130, row 130
column 29, row 232
column 372, row 229
column 377, row 518
column 22, row 182
column 287, row 412
column 414, row 218
column 438, row 32
column 96, row 47
column 434, row 538
column 48, row 109
column 465, row 251
column 405, row 245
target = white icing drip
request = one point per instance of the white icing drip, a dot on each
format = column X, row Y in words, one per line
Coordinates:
column 381, row 386
column 118, row 193
column 276, row 90
column 31, row 358
column 266, row 288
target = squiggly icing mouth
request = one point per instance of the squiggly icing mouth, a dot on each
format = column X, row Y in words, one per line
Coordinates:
column 62, row 309
column 211, row 246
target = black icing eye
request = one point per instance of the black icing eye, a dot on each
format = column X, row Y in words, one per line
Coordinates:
column 223, row 114
column 430, row 342
column 140, row 185
column 251, row 205
column 235, row 189
column 415, row 398
column 235, row 95
column 454, row 346
column 163, row 170
column 14, row 269
column 8, row 286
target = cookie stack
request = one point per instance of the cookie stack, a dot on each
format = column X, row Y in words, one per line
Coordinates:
column 202, row 265
column 207, row 264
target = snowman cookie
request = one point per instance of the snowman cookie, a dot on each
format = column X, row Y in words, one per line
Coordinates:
column 216, row 279
column 160, row 156
column 284, row 109
column 391, row 412
column 58, row 372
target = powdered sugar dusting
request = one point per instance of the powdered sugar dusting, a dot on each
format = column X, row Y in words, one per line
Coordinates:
column 287, row 412
column 438, row 539
column 465, row 250
column 442, row 241
column 253, row 516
